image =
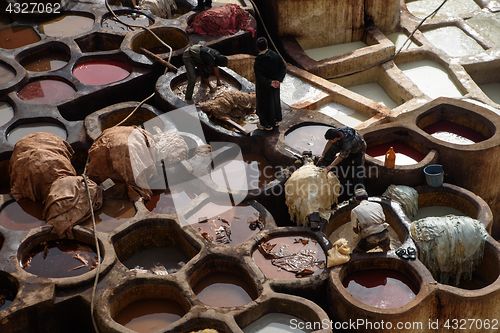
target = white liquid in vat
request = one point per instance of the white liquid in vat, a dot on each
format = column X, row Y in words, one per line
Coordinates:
column 399, row 39
column 452, row 138
column 294, row 90
column 431, row 78
column 22, row 130
column 325, row 52
column 343, row 114
column 488, row 25
column 436, row 211
column 401, row 159
column 453, row 41
column 276, row 323
column 422, row 8
column 374, row 92
column 492, row 90
column 6, row 113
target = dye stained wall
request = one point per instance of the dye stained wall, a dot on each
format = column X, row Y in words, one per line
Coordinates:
column 317, row 23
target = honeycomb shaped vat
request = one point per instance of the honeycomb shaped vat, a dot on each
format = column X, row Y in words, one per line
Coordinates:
column 17, row 37
column 68, row 25
column 23, row 127
column 20, row 215
column 10, row 286
column 7, row 74
column 46, row 90
column 49, row 56
column 99, row 41
column 134, row 20
column 174, row 37
column 153, row 241
column 75, row 257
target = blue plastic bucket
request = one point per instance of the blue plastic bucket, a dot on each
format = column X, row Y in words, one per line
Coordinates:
column 434, row 175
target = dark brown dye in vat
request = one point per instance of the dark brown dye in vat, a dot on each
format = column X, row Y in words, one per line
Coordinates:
column 258, row 173
column 170, row 257
column 15, row 37
column 46, row 91
column 47, row 62
column 166, row 202
column 405, row 154
column 22, row 215
column 101, row 72
column 381, row 288
column 223, row 289
column 132, row 19
column 227, row 225
column 454, row 133
column 59, row 259
column 310, row 137
column 289, row 245
column 111, row 215
column 149, row 315
column 67, row 26
column 7, row 74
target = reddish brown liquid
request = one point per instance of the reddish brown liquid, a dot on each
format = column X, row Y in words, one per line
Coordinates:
column 7, row 73
column 45, row 63
column 46, row 91
column 311, row 137
column 59, row 261
column 224, row 289
column 67, row 26
column 15, row 37
column 402, row 148
column 237, row 216
column 291, row 246
column 258, row 173
column 130, row 19
column 22, row 215
column 101, row 72
column 165, row 202
column 149, row 315
column 382, row 288
column 450, row 127
column 111, row 215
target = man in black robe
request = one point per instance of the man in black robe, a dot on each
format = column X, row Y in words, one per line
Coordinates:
column 270, row 70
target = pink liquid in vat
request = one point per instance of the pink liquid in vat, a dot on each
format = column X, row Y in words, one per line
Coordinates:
column 101, row 72
column 46, row 91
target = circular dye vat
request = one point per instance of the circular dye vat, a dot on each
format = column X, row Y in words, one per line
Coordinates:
column 223, row 289
column 15, row 37
column 46, row 62
column 405, row 154
column 133, row 19
column 7, row 73
column 22, row 130
column 310, row 137
column 381, row 288
column 101, row 72
column 227, row 225
column 170, row 257
column 22, row 215
column 432, row 211
column 59, row 259
column 277, row 323
column 201, row 92
column 67, row 26
column 289, row 256
column 111, row 215
column 166, row 202
column 6, row 113
column 454, row 133
column 149, row 315
column 46, row 91
column 257, row 170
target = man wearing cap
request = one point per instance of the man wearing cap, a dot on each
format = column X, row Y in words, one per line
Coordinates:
column 368, row 220
column 207, row 61
column 270, row 70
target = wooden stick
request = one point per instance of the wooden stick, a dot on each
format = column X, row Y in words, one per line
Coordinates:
column 158, row 59
column 235, row 125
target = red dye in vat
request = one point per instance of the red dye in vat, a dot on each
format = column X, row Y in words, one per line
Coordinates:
column 224, row 289
column 22, row 215
column 46, row 91
column 381, row 288
column 59, row 259
column 405, row 154
column 101, row 72
column 15, row 37
column 444, row 126
column 149, row 315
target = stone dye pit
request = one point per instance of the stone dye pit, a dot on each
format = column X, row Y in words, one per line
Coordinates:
column 210, row 249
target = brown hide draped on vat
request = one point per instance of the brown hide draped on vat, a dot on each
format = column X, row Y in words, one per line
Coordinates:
column 234, row 104
column 67, row 203
column 224, row 20
column 37, row 161
column 124, row 154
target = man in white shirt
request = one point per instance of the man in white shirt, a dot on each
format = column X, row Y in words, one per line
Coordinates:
column 368, row 220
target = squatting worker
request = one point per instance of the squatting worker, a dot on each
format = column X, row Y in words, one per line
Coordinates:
column 348, row 143
column 270, row 70
column 368, row 220
column 207, row 61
